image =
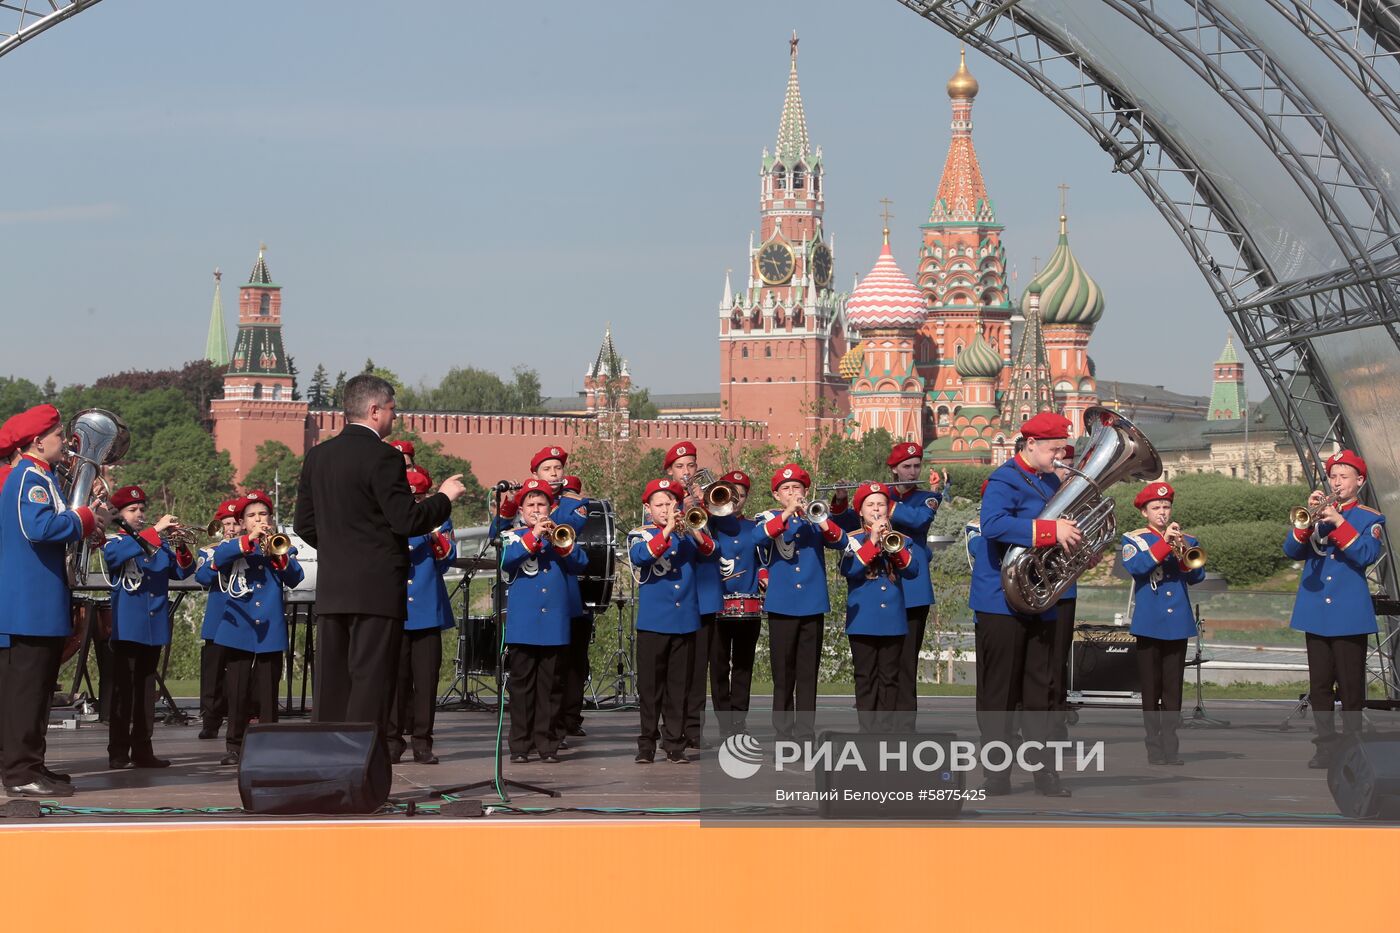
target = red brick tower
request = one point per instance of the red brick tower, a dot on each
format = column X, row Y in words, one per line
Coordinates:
column 257, row 405
column 781, row 337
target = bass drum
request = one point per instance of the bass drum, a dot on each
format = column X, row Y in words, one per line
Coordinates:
column 596, row 582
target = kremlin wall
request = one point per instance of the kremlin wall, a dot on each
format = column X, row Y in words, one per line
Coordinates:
column 949, row 358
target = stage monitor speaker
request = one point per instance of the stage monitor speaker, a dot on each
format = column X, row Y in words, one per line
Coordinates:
column 1103, row 659
column 1365, row 778
column 866, row 800
column 309, row 767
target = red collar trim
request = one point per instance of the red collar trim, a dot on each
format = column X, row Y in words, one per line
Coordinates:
column 1348, row 505
column 1025, row 466
column 48, row 467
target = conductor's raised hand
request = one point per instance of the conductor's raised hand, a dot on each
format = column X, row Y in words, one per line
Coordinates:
column 453, row 487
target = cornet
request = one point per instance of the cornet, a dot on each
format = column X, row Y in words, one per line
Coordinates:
column 1189, row 556
column 561, row 536
column 693, row 519
column 891, row 542
column 719, row 499
column 178, row 536
column 275, row 544
column 1304, row 518
column 816, row 511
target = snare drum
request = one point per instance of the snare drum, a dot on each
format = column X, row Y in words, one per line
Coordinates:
column 742, row 606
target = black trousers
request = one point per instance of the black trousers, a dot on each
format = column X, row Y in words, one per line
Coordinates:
column 573, row 675
column 415, row 700
column 28, row 669
column 665, row 663
column 878, row 662
column 133, row 699
column 1013, row 668
column 733, row 643
column 252, row 680
column 796, row 646
column 357, row 662
column 533, row 691
column 1059, row 667
column 1336, row 671
column 1161, row 665
column 213, row 702
column 699, row 680
column 908, row 684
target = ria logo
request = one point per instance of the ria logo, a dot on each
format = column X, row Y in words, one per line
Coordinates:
column 740, row 756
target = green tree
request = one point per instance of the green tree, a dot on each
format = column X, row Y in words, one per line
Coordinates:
column 466, row 388
column 470, row 509
column 17, row 394
column 318, row 395
column 50, row 391
column 640, row 407
column 294, row 372
column 182, row 472
column 337, row 398
column 277, row 468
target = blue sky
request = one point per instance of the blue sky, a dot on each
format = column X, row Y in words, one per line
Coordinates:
column 480, row 184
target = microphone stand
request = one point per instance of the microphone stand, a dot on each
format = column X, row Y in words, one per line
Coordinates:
column 1199, row 719
column 498, row 609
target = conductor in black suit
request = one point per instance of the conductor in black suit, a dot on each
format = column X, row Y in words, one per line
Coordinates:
column 354, row 506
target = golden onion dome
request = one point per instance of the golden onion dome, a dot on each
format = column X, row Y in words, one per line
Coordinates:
column 962, row 85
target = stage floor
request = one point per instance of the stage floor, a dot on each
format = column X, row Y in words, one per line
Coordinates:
column 1251, row 771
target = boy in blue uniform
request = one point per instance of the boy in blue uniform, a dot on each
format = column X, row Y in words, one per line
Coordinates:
column 796, row 600
column 682, row 464
column 537, row 619
column 1162, row 617
column 140, row 627
column 420, row 652
column 36, row 525
column 1334, row 607
column 1014, row 651
column 253, row 631
column 213, row 703
column 665, row 557
column 734, row 637
column 876, row 619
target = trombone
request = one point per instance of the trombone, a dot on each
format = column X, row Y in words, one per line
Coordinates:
column 1304, row 518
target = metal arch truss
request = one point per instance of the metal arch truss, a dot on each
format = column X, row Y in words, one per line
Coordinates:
column 22, row 20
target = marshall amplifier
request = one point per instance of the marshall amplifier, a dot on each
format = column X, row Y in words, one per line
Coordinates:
column 1103, row 660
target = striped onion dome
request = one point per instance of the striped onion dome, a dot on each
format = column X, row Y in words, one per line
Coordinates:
column 885, row 297
column 979, row 359
column 850, row 364
column 1067, row 294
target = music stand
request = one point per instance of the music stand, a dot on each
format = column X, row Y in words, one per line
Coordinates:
column 498, row 781
column 1199, row 718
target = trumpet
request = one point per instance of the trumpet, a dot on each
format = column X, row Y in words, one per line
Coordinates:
column 1304, row 518
column 891, row 542
column 275, row 544
column 179, row 536
column 693, row 519
column 719, row 499
column 215, row 528
column 1189, row 556
column 816, row 511
column 561, row 536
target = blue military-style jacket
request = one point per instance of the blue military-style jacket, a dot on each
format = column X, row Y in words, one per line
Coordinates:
column 253, row 619
column 874, row 587
column 1333, row 598
column 140, row 586
column 36, row 526
column 1015, row 495
column 537, row 588
column 1161, row 606
column 796, row 563
column 667, row 567
column 429, row 557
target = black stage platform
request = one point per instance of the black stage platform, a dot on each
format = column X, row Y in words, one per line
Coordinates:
column 1252, row 771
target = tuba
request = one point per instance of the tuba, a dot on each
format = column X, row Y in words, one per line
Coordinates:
column 1034, row 578
column 96, row 438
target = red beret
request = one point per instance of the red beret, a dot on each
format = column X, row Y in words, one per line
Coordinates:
column 7, row 439
column 789, row 473
column 573, row 484
column 403, row 447
column 1047, row 425
column 737, row 478
column 533, row 485
column 1347, row 458
column 227, row 509
column 901, row 452
column 128, row 495
column 418, row 479
column 252, row 498
column 1152, row 492
column 548, row 453
column 27, row 426
column 867, row 490
column 683, row 449
column 663, row 485
column 1067, row 453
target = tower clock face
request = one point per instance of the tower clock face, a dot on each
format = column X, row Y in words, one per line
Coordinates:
column 775, row 263
column 821, row 265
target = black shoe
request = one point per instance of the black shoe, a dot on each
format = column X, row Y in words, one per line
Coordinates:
column 151, row 761
column 118, row 764
column 519, row 759
column 1047, row 784
column 230, row 759
column 1173, row 760
column 42, row 787
column 1320, row 760
column 549, row 758
column 210, row 730
column 562, row 745
column 677, row 757
column 645, row 758
column 997, row 785
column 56, row 775
column 1156, row 758
column 577, row 732
column 425, row 758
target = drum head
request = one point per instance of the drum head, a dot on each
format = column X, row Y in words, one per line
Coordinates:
column 596, row 582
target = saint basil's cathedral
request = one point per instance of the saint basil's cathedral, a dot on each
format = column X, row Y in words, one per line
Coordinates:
column 949, row 359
